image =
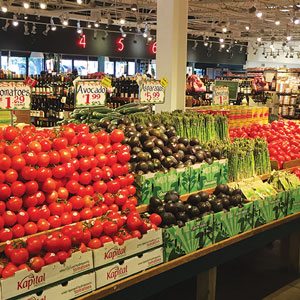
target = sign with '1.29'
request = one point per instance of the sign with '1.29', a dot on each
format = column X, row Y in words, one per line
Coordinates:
column 89, row 93
column 152, row 92
column 14, row 95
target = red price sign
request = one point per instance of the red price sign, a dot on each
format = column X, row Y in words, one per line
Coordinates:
column 152, row 92
column 90, row 93
column 14, row 95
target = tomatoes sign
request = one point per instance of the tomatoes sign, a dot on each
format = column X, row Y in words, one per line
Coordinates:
column 152, row 92
column 14, row 95
column 89, row 93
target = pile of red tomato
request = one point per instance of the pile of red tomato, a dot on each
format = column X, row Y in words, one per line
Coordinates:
column 283, row 139
column 52, row 178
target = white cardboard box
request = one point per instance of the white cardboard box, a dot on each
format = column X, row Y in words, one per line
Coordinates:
column 120, row 270
column 112, row 252
column 72, row 289
column 24, row 281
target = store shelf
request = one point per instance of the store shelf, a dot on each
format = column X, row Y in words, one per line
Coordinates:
column 213, row 255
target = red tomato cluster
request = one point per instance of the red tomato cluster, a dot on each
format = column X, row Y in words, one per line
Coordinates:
column 41, row 250
column 53, row 178
column 283, row 139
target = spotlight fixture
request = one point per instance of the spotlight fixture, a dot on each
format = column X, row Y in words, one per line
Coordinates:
column 53, row 26
column 105, row 34
column 45, row 32
column 277, row 22
column 292, row 55
column 150, row 38
column 205, row 44
column 79, row 29
column 96, row 24
column 122, row 32
column 259, row 39
column 264, row 51
column 122, row 19
column 4, row 28
column 224, row 29
column 134, row 7
column 65, row 22
column 247, row 27
column 26, row 5
column 79, row 1
column 26, row 29
column 89, row 25
column 255, row 51
column 241, row 49
column 288, row 38
column 95, row 34
column 210, row 45
column 33, row 30
column 25, row 17
column 15, row 21
column 221, row 40
column 43, row 5
column 296, row 21
column 4, row 8
column 145, row 34
column 259, row 14
column 222, row 46
column 195, row 45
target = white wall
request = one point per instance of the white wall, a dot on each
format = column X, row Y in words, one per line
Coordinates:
column 280, row 61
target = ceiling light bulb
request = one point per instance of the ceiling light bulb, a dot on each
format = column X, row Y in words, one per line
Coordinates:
column 15, row 21
column 221, row 40
column 96, row 24
column 222, row 45
column 288, row 38
column 259, row 14
column 277, row 22
column 79, row 29
column 45, row 32
column 43, row 5
column 89, row 25
column 124, row 35
column 224, row 29
column 150, row 38
column 122, row 21
column 4, row 28
column 205, row 44
column 4, row 8
column 145, row 34
column 79, row 1
column 134, row 7
column 26, row 5
column 296, row 21
column 259, row 39
column 26, row 29
column 25, row 17
column 247, row 27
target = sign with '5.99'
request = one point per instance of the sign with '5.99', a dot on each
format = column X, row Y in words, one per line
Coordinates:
column 152, row 92
column 89, row 93
column 14, row 95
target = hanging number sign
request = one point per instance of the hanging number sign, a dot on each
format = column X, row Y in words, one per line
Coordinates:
column 152, row 92
column 89, row 93
column 14, row 95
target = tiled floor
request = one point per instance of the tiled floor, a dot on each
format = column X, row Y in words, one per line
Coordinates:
column 288, row 292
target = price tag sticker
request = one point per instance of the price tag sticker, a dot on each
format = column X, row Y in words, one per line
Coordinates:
column 152, row 92
column 164, row 82
column 89, row 93
column 14, row 95
column 106, row 82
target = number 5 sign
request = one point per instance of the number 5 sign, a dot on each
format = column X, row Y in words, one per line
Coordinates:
column 14, row 95
column 152, row 92
column 89, row 93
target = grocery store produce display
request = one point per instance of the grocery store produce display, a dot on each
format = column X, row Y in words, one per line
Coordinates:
column 282, row 137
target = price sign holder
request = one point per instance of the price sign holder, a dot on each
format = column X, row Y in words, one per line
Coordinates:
column 89, row 93
column 221, row 95
column 14, row 95
column 152, row 92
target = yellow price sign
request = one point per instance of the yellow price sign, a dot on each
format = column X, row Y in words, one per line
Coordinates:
column 164, row 82
column 106, row 82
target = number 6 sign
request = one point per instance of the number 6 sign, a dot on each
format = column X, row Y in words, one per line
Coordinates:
column 14, row 95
